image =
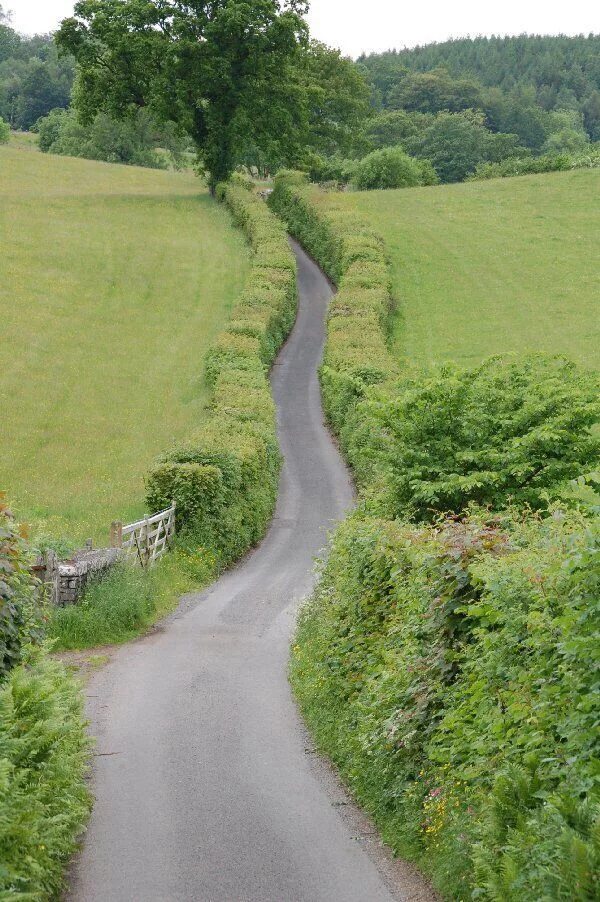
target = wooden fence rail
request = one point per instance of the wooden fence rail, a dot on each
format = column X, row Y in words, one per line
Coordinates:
column 147, row 539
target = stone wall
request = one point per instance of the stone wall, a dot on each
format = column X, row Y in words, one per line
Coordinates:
column 66, row 581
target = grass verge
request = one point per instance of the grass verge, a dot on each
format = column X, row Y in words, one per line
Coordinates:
column 128, row 601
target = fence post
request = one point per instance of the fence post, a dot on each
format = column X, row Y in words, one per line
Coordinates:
column 116, row 534
column 146, row 545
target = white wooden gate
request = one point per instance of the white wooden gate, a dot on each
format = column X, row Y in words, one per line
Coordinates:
column 146, row 539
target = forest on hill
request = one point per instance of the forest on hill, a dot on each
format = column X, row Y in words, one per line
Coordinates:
column 509, row 78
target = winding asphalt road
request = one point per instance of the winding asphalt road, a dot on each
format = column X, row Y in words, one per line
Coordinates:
column 207, row 788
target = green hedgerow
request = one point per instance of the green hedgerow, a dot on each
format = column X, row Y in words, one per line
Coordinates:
column 224, row 478
column 450, row 671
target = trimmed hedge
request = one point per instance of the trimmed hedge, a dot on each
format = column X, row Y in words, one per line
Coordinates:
column 353, row 256
column 224, row 478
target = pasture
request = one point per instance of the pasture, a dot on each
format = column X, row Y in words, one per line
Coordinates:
column 115, row 281
column 484, row 268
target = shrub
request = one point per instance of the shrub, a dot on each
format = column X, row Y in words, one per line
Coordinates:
column 225, row 476
column 44, row 802
column 4, row 131
column 511, row 430
column 450, row 672
column 389, row 167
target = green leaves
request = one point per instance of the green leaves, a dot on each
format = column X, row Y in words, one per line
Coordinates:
column 223, row 72
column 225, row 477
column 20, row 610
column 514, row 430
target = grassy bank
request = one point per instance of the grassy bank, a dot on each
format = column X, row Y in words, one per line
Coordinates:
column 489, row 267
column 115, row 281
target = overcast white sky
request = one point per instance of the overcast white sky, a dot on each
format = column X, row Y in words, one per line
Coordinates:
column 366, row 25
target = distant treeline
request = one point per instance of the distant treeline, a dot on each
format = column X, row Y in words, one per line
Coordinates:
column 514, row 80
column 472, row 103
column 443, row 112
column 33, row 79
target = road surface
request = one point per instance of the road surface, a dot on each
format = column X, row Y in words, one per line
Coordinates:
column 207, row 788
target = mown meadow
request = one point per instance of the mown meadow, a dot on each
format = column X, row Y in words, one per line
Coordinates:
column 484, row 268
column 115, row 281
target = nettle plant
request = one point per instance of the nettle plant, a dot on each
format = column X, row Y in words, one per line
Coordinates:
column 513, row 430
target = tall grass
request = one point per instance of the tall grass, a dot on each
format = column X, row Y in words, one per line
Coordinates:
column 128, row 600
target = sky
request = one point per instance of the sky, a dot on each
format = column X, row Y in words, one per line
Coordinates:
column 357, row 26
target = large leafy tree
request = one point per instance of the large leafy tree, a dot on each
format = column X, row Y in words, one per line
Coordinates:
column 222, row 70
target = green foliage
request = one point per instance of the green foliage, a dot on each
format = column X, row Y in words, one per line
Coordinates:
column 33, row 80
column 590, row 159
column 225, row 477
column 518, row 82
column 4, row 131
column 21, row 611
column 451, row 673
column 338, row 99
column 511, row 430
column 224, row 73
column 433, row 92
column 44, row 802
column 393, row 127
column 455, row 143
column 134, row 141
column 390, row 167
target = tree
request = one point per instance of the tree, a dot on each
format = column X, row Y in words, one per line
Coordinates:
column 9, row 39
column 134, row 140
column 222, row 70
column 336, row 100
column 394, row 127
column 432, row 92
column 4, row 131
column 456, row 143
column 338, row 97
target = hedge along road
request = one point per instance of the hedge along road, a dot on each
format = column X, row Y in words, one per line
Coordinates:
column 205, row 782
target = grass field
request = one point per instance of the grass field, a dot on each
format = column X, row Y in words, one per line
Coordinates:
column 487, row 267
column 114, row 281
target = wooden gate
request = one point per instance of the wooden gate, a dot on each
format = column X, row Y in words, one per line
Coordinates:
column 147, row 539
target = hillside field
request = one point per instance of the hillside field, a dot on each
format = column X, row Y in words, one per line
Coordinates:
column 115, row 281
column 487, row 267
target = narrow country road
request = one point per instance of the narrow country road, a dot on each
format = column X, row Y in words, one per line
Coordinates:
column 207, row 789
